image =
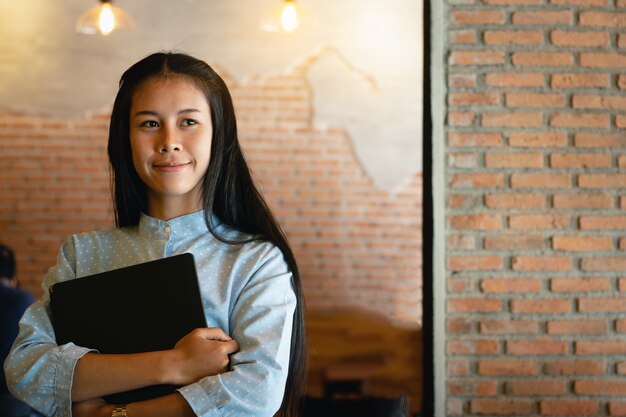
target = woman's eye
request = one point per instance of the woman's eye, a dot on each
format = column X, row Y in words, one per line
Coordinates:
column 149, row 123
column 189, row 122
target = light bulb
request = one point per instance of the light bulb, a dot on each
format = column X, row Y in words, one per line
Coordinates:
column 289, row 17
column 106, row 20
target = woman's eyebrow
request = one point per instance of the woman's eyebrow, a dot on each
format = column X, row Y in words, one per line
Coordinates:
column 154, row 113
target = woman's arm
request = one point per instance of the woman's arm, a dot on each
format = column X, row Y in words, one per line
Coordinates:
column 261, row 322
column 201, row 353
column 166, row 406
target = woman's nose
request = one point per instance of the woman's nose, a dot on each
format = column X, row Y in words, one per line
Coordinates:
column 169, row 147
column 170, row 141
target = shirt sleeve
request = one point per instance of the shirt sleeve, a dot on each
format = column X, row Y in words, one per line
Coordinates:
column 38, row 371
column 261, row 323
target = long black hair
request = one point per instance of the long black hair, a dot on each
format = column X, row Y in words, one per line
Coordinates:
column 228, row 190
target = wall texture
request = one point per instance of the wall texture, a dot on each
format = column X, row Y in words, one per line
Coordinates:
column 536, row 207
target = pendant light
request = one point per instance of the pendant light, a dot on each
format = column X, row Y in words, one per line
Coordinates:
column 285, row 17
column 103, row 19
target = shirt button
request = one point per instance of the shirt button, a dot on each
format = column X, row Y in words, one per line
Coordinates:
column 168, row 229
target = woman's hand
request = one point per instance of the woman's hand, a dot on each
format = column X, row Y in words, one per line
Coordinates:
column 202, row 352
column 91, row 408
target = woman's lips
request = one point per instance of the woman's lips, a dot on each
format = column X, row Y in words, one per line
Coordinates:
column 171, row 166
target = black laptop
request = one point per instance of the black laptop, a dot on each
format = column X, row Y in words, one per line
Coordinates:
column 140, row 308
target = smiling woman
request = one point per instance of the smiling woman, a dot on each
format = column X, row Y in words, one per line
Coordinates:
column 170, row 137
column 181, row 185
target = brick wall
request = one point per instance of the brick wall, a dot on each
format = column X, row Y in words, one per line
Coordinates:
column 536, row 207
column 356, row 245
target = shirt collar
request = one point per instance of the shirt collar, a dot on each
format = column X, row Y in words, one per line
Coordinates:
column 188, row 225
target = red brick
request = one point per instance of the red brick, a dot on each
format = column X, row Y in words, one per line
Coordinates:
column 622, row 243
column 474, row 99
column 463, row 201
column 539, row 221
column 573, row 284
column 458, row 367
column 621, row 41
column 594, row 101
column 617, row 408
column 620, row 327
column 500, row 406
column 620, row 121
column 510, row 37
column 577, row 327
column 518, row 201
column 621, row 161
column 473, row 347
column 622, row 284
column 543, row 59
column 463, row 160
column 582, row 2
column 599, row 140
column 514, row 242
column 480, row 180
column 582, row 243
column 623, row 202
column 616, row 263
column 602, row 180
column 459, row 326
column 575, row 366
column 546, row 387
column 570, row 38
column 580, row 80
column 476, row 222
column 459, row 284
column 462, row 36
column 455, row 407
column 604, row 19
column 601, row 347
column 508, row 285
column 536, row 347
column 515, row 79
column 477, row 17
column 578, row 160
column 461, row 242
column 462, row 80
column 538, row 139
column 475, row 305
column 542, row 17
column 602, row 60
column 474, row 139
column 541, row 306
column 510, row 2
column 569, row 407
column 540, row 180
column 588, row 201
column 605, row 387
column 461, row 118
column 541, row 263
column 621, row 81
column 579, row 120
column 474, row 263
column 476, row 58
column 534, row 100
column 514, row 160
column 504, row 367
column 602, row 222
column 512, row 119
column 508, row 327
column 473, row 388
column 607, row 305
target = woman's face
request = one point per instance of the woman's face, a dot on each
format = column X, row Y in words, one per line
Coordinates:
column 170, row 138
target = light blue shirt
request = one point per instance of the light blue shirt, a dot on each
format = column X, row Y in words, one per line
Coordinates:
column 246, row 291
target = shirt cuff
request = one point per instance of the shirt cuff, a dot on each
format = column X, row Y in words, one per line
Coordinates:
column 199, row 401
column 69, row 354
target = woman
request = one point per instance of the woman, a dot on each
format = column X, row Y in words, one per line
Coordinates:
column 181, row 184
